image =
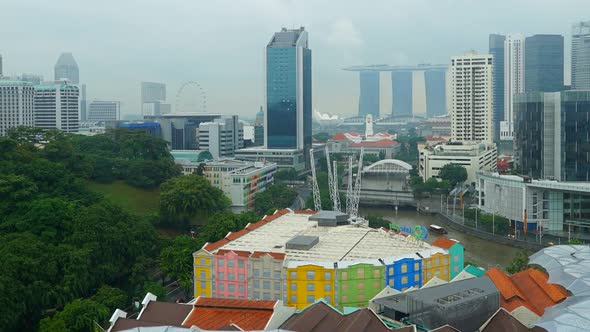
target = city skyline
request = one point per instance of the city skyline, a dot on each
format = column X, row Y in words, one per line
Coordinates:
column 348, row 35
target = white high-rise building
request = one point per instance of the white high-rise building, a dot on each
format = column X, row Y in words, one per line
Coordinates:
column 57, row 106
column 581, row 56
column 513, row 81
column 103, row 110
column 16, row 105
column 221, row 137
column 472, row 98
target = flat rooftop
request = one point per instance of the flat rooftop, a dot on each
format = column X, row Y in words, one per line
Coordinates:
column 337, row 243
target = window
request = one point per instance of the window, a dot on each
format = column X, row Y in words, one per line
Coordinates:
column 360, row 285
column 293, row 298
column 360, row 297
column 266, row 273
column 241, row 277
column 220, row 276
column 445, row 261
column 256, row 272
column 391, row 283
column 416, row 277
column 377, row 284
column 445, row 272
column 231, row 288
column 344, row 275
column 266, row 296
column 429, row 275
column 376, row 273
column 231, row 277
column 310, row 275
column 220, row 261
column 456, row 269
column 230, row 263
column 310, row 287
column 391, row 271
column 456, row 258
column 202, row 261
column 310, row 299
column 344, row 287
column 277, row 285
column 241, row 264
column 327, row 287
column 404, row 268
column 241, row 288
column 416, row 266
column 404, row 280
column 344, row 298
column 221, row 286
column 203, row 284
column 428, row 264
column 257, row 295
column 360, row 273
column 437, row 261
column 256, row 284
column 327, row 276
column 203, row 274
column 293, row 286
column 277, row 274
column 328, row 298
column 266, row 284
column 293, row 275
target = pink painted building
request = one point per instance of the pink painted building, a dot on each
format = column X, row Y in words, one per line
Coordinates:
column 231, row 274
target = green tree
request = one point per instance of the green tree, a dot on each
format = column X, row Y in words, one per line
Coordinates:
column 322, row 137
column 453, row 173
column 275, row 197
column 189, row 198
column 378, row 222
column 155, row 288
column 519, row 263
column 111, row 297
column 77, row 316
column 176, row 261
column 287, row 174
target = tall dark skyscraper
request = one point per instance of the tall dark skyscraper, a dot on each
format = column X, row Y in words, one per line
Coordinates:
column 66, row 67
column 552, row 135
column 288, row 91
column 436, row 98
column 496, row 49
column 369, row 96
column 543, row 63
column 401, row 85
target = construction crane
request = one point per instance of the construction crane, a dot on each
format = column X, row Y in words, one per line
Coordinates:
column 349, row 189
column 317, row 201
column 356, row 196
column 334, row 196
column 336, row 200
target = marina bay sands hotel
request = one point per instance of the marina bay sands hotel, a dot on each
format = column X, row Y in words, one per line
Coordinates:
column 415, row 90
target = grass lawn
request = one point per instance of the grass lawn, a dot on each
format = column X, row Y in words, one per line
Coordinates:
column 135, row 200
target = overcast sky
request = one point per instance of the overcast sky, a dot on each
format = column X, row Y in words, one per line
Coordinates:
column 220, row 44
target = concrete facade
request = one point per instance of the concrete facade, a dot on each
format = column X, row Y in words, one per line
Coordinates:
column 16, row 106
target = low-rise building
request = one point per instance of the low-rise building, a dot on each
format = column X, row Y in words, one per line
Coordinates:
column 284, row 158
column 303, row 256
column 473, row 156
column 379, row 144
column 551, row 207
column 240, row 180
column 190, row 160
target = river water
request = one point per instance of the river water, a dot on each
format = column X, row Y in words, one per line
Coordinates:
column 481, row 252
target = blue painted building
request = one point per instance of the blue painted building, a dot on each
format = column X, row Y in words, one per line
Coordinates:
column 404, row 272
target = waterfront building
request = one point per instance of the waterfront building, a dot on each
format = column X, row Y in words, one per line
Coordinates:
column 472, row 98
column 16, row 105
column 288, row 91
column 496, row 49
column 473, row 156
column 311, row 255
column 180, row 129
column 103, row 111
column 240, row 180
column 56, row 106
column 221, row 137
column 369, row 93
column 513, row 81
column 66, row 68
column 455, row 250
column 581, row 56
column 543, row 63
column 552, row 138
column 551, row 207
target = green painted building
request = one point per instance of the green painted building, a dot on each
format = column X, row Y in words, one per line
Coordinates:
column 357, row 283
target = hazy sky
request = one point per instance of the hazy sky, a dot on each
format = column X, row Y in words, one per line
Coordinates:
column 220, row 44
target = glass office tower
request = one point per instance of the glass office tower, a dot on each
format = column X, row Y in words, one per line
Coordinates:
column 543, row 63
column 401, row 85
column 496, row 49
column 369, row 96
column 288, row 91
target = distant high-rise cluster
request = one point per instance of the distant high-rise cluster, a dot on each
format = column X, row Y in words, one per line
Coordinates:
column 67, row 68
column 153, row 97
column 101, row 111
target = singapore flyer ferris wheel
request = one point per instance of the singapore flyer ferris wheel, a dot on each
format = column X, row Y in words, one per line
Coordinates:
column 191, row 98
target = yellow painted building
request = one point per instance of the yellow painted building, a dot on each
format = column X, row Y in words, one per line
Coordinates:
column 437, row 265
column 309, row 283
column 203, row 265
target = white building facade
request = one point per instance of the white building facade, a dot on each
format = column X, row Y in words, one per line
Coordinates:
column 513, row 81
column 16, row 105
column 104, row 110
column 581, row 56
column 56, row 106
column 239, row 180
column 472, row 98
column 471, row 155
column 221, row 137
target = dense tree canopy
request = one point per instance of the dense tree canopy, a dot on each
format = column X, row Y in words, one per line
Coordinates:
column 453, row 173
column 275, row 197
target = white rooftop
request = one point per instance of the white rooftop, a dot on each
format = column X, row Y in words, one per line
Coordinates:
column 340, row 243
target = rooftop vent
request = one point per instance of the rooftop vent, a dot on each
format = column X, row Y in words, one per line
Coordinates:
column 302, row 242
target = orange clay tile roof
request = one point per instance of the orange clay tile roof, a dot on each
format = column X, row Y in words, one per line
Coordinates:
column 275, row 255
column 237, row 252
column 528, row 288
column 384, row 143
column 213, row 313
column 305, row 211
column 339, row 137
column 443, row 242
column 215, row 245
column 234, row 235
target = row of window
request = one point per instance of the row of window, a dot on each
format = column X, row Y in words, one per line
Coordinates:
column 310, row 275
